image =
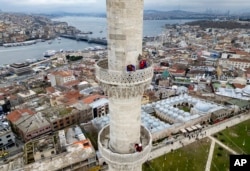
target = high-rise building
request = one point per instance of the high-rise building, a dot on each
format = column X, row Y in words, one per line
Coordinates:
column 125, row 144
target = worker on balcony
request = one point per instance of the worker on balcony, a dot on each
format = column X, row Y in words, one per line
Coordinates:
column 130, row 67
column 138, row 147
column 143, row 64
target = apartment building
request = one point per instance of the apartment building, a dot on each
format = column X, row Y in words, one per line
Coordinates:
column 67, row 150
column 98, row 104
column 61, row 117
column 59, row 78
column 26, row 95
column 31, row 126
column 20, row 68
column 235, row 62
column 7, row 138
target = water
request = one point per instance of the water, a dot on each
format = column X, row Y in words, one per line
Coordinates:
column 96, row 25
column 21, row 53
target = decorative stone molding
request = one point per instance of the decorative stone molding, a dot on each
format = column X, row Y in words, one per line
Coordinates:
column 123, row 78
column 123, row 84
column 123, row 92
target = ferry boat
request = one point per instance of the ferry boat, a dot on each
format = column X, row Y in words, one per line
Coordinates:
column 30, row 42
column 49, row 53
column 101, row 41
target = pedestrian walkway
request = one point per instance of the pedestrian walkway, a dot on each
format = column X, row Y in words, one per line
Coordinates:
column 223, row 145
column 211, row 151
column 210, row 156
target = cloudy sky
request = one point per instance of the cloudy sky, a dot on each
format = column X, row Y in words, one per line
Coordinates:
column 99, row 5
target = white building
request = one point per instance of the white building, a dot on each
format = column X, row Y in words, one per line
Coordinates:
column 235, row 62
column 61, row 77
column 26, row 95
column 7, row 137
column 100, row 107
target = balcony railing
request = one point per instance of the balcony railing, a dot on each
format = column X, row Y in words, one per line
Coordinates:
column 133, row 158
column 104, row 75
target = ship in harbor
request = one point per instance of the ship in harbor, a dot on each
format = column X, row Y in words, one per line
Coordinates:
column 31, row 42
column 49, row 53
column 101, row 41
column 82, row 37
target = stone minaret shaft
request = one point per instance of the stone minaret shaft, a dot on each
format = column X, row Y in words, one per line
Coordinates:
column 124, row 87
column 125, row 22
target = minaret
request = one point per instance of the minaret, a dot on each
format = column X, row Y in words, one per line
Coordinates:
column 125, row 144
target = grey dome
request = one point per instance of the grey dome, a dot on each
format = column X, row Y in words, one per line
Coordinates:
column 246, row 90
column 202, row 107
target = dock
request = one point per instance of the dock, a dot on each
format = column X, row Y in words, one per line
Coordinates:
column 85, row 38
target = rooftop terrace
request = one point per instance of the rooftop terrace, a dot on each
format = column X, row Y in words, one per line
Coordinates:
column 57, row 112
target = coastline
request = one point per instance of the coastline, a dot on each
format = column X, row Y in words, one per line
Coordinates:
column 96, row 25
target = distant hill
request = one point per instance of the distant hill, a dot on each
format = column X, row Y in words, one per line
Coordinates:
column 220, row 24
column 157, row 15
column 148, row 14
column 245, row 16
column 177, row 14
column 62, row 14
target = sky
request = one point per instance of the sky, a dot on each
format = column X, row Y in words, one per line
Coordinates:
column 87, row 6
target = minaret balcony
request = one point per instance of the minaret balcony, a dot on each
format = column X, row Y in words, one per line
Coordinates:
column 132, row 158
column 123, row 78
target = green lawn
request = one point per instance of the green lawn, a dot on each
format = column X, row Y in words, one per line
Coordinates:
column 39, row 90
column 220, row 161
column 184, row 108
column 65, row 111
column 183, row 80
column 236, row 137
column 218, row 85
column 192, row 157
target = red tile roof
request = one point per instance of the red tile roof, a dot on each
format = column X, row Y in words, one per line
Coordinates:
column 16, row 114
column 62, row 73
column 71, row 83
column 240, row 52
column 238, row 85
column 6, row 90
column 71, row 102
column 178, row 71
column 70, row 97
column 72, row 94
column 92, row 98
column 1, row 97
column 239, row 60
column 50, row 89
column 13, row 97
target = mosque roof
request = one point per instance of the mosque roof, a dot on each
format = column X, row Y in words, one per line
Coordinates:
column 243, row 94
column 246, row 90
column 166, row 107
column 203, row 107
